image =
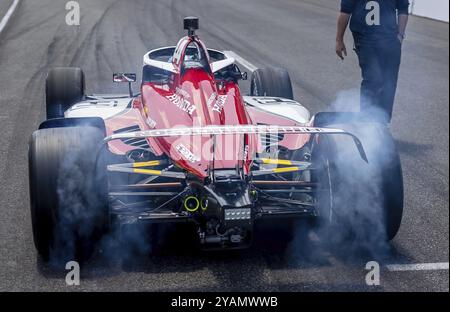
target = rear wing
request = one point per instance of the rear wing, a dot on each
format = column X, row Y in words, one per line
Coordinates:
column 233, row 130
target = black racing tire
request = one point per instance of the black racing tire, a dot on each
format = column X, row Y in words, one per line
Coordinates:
column 64, row 87
column 271, row 81
column 359, row 200
column 68, row 192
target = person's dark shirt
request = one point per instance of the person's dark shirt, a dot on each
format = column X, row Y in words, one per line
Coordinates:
column 361, row 9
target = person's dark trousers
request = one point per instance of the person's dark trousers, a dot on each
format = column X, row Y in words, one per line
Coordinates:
column 380, row 63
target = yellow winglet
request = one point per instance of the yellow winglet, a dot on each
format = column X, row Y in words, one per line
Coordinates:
column 146, row 164
column 282, row 162
column 287, row 169
column 147, row 171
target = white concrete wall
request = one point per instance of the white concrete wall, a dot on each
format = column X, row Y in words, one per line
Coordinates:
column 435, row 9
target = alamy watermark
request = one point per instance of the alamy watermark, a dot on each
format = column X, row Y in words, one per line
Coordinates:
column 73, row 276
column 373, row 17
column 73, row 15
column 373, row 276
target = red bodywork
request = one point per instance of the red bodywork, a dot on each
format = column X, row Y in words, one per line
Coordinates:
column 193, row 98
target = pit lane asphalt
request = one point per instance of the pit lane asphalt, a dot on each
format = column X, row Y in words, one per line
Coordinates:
column 298, row 35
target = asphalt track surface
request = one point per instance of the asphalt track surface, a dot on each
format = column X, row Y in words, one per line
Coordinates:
column 4, row 7
column 298, row 35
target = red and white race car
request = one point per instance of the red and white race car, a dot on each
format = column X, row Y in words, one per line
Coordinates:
column 191, row 148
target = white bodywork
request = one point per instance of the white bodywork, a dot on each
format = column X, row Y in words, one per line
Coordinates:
column 99, row 107
column 282, row 107
column 215, row 66
column 159, row 64
column 109, row 107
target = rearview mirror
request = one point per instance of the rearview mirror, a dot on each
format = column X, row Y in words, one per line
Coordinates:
column 120, row 77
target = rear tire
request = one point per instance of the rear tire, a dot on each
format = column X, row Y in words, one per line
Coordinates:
column 68, row 192
column 64, row 87
column 363, row 201
column 271, row 81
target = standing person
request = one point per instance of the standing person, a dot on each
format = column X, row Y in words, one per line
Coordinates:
column 378, row 29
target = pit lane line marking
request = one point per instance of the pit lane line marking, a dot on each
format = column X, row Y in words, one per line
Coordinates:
column 417, row 267
column 241, row 60
column 8, row 15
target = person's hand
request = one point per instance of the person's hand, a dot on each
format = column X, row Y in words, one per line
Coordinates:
column 341, row 50
column 400, row 38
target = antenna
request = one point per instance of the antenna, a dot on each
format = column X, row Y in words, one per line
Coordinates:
column 191, row 25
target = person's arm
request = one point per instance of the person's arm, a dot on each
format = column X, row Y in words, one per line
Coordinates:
column 403, row 15
column 347, row 7
column 402, row 23
column 342, row 23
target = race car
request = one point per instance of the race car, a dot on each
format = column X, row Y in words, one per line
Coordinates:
column 190, row 148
